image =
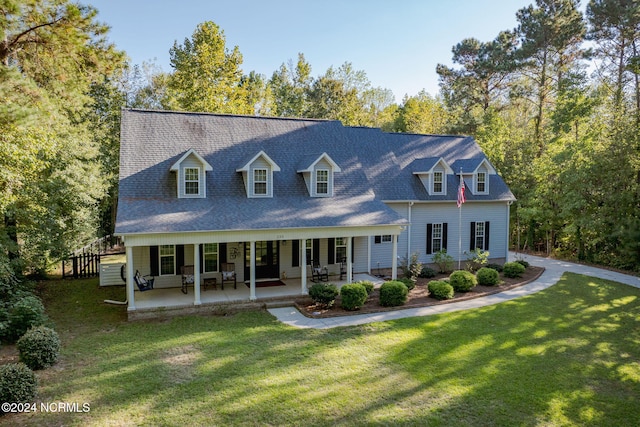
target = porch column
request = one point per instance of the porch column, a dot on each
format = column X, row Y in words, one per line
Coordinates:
column 369, row 268
column 196, row 274
column 130, row 284
column 252, row 270
column 349, row 260
column 394, row 255
column 303, row 266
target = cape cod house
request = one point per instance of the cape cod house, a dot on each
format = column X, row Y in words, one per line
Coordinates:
column 266, row 197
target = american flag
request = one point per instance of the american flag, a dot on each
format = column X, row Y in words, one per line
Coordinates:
column 461, row 198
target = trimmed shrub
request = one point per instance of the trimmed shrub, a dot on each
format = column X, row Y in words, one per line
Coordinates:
column 368, row 286
column 440, row 290
column 513, row 269
column 409, row 283
column 27, row 312
column 524, row 263
column 18, row 383
column 39, row 347
column 427, row 273
column 496, row 267
column 353, row 296
column 324, row 293
column 462, row 281
column 487, row 276
column 393, row 293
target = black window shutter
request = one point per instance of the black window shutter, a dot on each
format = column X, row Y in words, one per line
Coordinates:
column 201, row 256
column 295, row 253
column 316, row 251
column 472, row 237
column 222, row 252
column 429, row 238
column 179, row 257
column 353, row 248
column 445, row 235
column 377, row 239
column 486, row 236
column 331, row 251
column 154, row 261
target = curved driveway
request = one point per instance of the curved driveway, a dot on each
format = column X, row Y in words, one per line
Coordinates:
column 553, row 271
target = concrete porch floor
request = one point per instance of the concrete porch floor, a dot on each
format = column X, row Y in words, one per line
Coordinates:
column 167, row 298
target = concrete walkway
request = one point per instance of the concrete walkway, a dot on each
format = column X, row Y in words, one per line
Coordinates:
column 553, row 271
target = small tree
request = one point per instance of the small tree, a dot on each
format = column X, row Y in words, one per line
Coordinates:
column 476, row 259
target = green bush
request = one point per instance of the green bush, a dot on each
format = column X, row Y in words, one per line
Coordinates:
column 409, row 283
column 324, row 293
column 487, row 276
column 443, row 260
column 462, row 281
column 476, row 259
column 27, row 312
column 353, row 296
column 496, row 267
column 368, row 286
column 393, row 293
column 427, row 273
column 18, row 383
column 513, row 269
column 524, row 263
column 440, row 289
column 39, row 347
column 411, row 267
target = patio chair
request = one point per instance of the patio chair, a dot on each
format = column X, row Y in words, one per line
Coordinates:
column 319, row 274
column 187, row 277
column 145, row 283
column 228, row 271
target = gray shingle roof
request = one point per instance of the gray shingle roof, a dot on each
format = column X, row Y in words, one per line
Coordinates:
column 376, row 167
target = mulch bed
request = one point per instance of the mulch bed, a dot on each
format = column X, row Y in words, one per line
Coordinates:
column 418, row 296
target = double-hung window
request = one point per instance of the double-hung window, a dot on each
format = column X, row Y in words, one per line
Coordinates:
column 341, row 248
column 481, row 182
column 210, row 257
column 167, row 260
column 309, row 250
column 438, row 182
column 191, row 181
column 322, row 182
column 436, row 237
column 260, row 183
column 480, row 236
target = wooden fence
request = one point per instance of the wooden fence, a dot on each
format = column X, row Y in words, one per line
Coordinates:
column 82, row 265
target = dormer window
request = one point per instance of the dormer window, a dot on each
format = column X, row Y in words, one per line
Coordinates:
column 260, row 182
column 318, row 172
column 192, row 181
column 481, row 182
column 438, row 182
column 322, row 182
column 257, row 174
column 191, row 171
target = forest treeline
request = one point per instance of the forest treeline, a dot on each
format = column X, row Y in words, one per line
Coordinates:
column 554, row 103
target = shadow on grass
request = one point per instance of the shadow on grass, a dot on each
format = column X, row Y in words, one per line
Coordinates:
column 565, row 356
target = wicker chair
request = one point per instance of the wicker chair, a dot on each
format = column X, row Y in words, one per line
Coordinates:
column 228, row 272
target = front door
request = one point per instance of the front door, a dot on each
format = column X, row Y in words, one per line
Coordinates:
column 267, row 260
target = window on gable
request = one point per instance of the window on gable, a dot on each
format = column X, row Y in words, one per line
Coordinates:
column 260, row 182
column 437, row 182
column 167, row 255
column 481, row 182
column 322, row 182
column 210, row 257
column 191, row 181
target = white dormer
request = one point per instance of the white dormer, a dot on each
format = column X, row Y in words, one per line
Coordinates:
column 257, row 174
column 433, row 174
column 191, row 171
column 318, row 174
column 479, row 171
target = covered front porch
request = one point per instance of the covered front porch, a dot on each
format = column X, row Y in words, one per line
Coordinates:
column 157, row 301
column 287, row 256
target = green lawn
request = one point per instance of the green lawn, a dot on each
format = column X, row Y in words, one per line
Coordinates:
column 569, row 355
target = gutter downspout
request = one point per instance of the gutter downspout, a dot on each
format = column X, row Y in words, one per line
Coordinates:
column 410, row 204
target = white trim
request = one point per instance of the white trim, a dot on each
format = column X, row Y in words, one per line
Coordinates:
column 324, row 156
column 176, row 165
column 247, row 166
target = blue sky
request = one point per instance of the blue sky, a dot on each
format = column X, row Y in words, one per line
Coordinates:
column 397, row 43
